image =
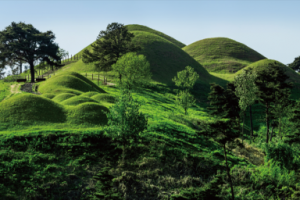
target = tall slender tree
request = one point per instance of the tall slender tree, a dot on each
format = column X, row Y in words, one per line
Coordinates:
column 110, row 46
column 245, row 90
column 269, row 81
column 22, row 42
column 222, row 132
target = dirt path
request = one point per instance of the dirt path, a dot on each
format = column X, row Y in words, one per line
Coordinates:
column 13, row 90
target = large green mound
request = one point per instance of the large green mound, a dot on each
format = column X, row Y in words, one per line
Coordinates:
column 31, row 108
column 263, row 64
column 137, row 27
column 222, row 55
column 165, row 58
column 63, row 96
column 68, row 80
column 92, row 113
column 73, row 101
column 104, row 97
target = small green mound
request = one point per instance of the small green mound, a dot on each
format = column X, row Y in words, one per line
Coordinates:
column 48, row 95
column 92, row 113
column 69, row 81
column 66, row 90
column 104, row 97
column 63, row 96
column 88, row 81
column 73, row 101
column 89, row 94
column 30, row 107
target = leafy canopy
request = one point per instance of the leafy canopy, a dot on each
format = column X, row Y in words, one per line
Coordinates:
column 133, row 69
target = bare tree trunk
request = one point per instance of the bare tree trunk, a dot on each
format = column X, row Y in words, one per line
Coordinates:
column 32, row 71
column 228, row 173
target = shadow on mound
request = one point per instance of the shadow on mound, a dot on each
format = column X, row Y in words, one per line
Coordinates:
column 104, row 97
column 63, row 96
column 31, row 108
column 73, row 101
column 92, row 113
column 48, row 95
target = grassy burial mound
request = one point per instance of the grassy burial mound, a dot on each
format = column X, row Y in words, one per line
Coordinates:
column 137, row 27
column 89, row 94
column 222, row 55
column 31, row 108
column 104, row 97
column 63, row 96
column 164, row 54
column 87, row 112
column 293, row 76
column 165, row 58
column 76, row 100
column 48, row 95
column 69, row 81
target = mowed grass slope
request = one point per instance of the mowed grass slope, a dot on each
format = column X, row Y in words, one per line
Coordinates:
column 222, row 55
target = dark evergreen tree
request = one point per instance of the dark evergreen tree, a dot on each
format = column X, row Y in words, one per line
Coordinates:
column 296, row 64
column 115, row 43
column 217, row 100
column 23, row 43
column 295, row 118
column 231, row 106
column 269, row 81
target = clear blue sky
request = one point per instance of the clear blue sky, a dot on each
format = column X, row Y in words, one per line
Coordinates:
column 267, row 26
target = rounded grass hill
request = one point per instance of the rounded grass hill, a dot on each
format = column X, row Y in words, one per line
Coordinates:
column 92, row 113
column 31, row 108
column 263, row 64
column 164, row 54
column 104, row 97
column 63, row 96
column 69, row 82
column 222, row 55
column 76, row 100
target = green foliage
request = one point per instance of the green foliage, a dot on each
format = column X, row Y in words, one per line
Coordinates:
column 209, row 191
column 185, row 100
column 133, row 70
column 186, row 79
column 104, row 186
column 296, row 64
column 110, row 46
column 281, row 153
column 125, row 123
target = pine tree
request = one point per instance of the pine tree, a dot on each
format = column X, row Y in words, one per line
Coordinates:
column 217, row 100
